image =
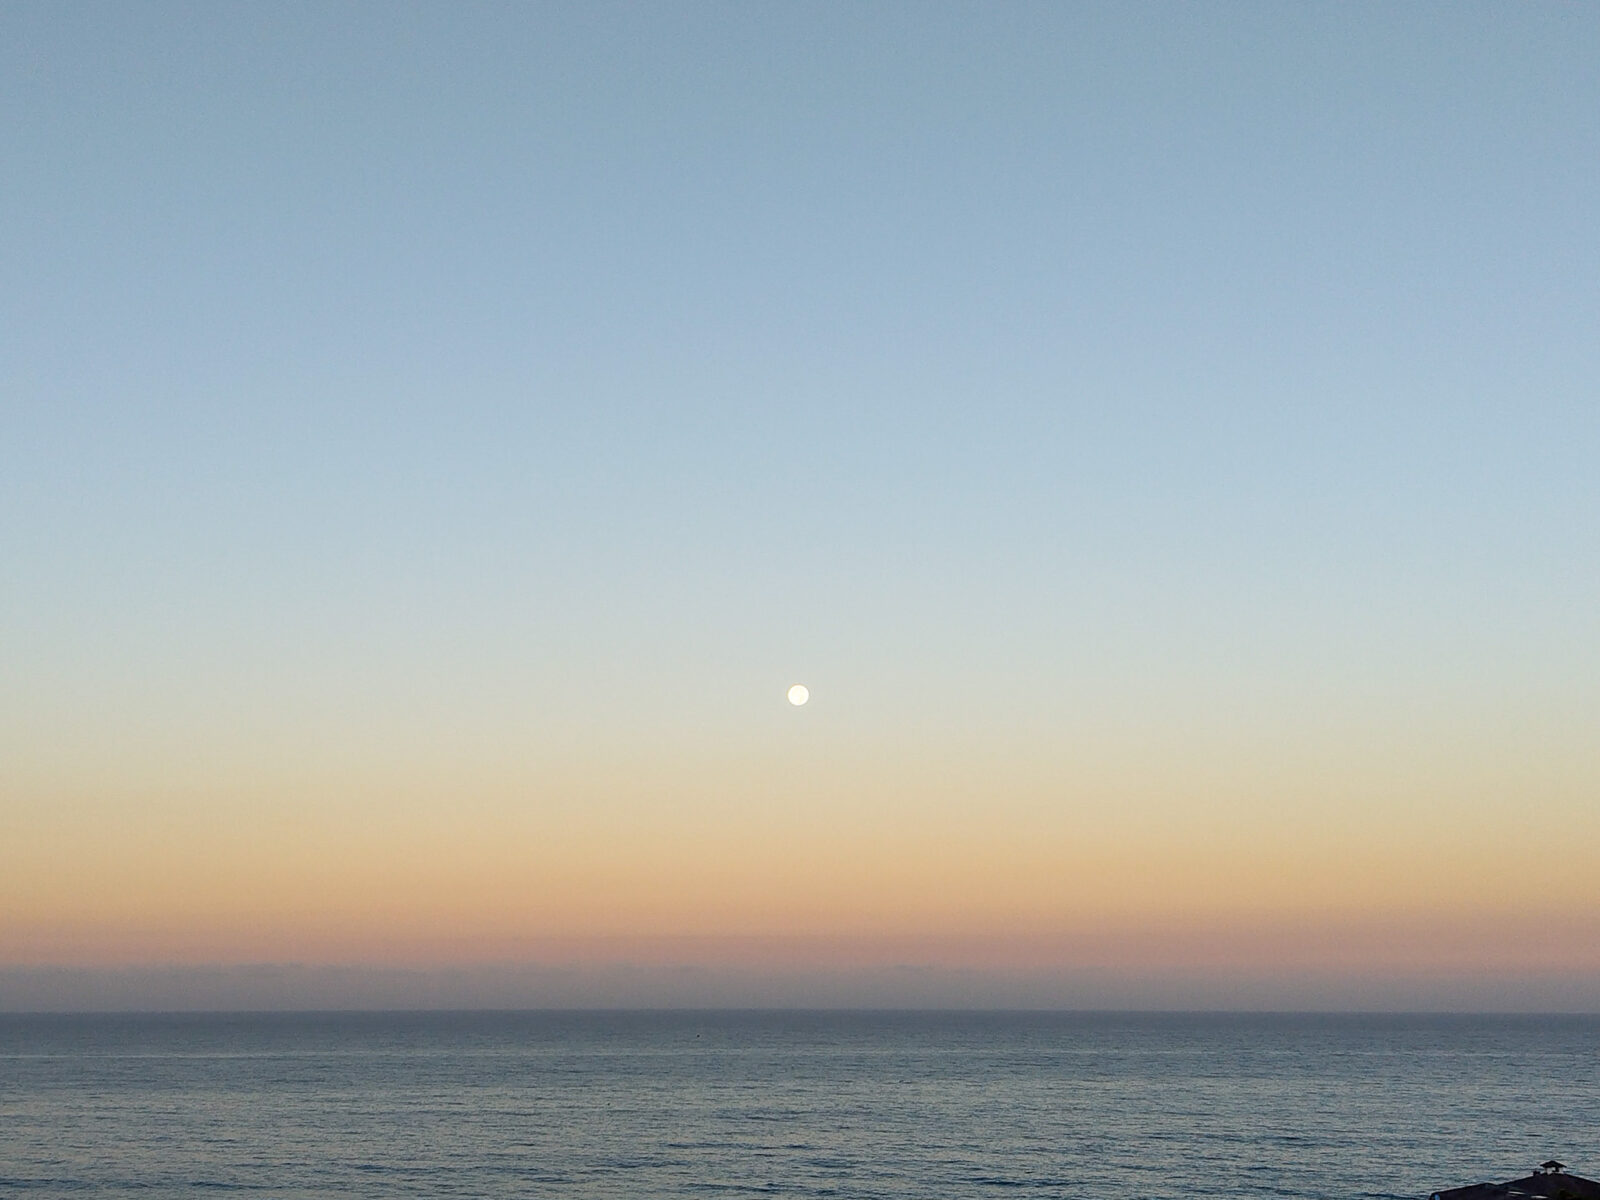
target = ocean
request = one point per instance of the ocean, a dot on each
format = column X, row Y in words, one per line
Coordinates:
column 863, row 1104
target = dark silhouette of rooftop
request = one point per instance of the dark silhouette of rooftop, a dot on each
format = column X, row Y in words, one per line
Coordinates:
column 1549, row 1182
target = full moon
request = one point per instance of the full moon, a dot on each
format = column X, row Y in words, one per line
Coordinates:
column 798, row 695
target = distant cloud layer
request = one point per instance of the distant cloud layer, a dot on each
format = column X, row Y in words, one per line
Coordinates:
column 287, row 986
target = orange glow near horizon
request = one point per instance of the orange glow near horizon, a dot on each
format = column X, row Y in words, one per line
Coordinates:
column 816, row 874
column 803, row 842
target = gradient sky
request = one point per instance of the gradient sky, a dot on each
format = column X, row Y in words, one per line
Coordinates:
column 1165, row 439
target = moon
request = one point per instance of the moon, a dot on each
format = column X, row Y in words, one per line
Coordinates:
column 799, row 694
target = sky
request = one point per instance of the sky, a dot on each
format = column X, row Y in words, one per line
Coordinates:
column 1163, row 439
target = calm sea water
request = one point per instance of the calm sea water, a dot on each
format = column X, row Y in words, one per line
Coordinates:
column 789, row 1104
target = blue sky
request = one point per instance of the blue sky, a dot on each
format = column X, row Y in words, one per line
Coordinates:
column 494, row 382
